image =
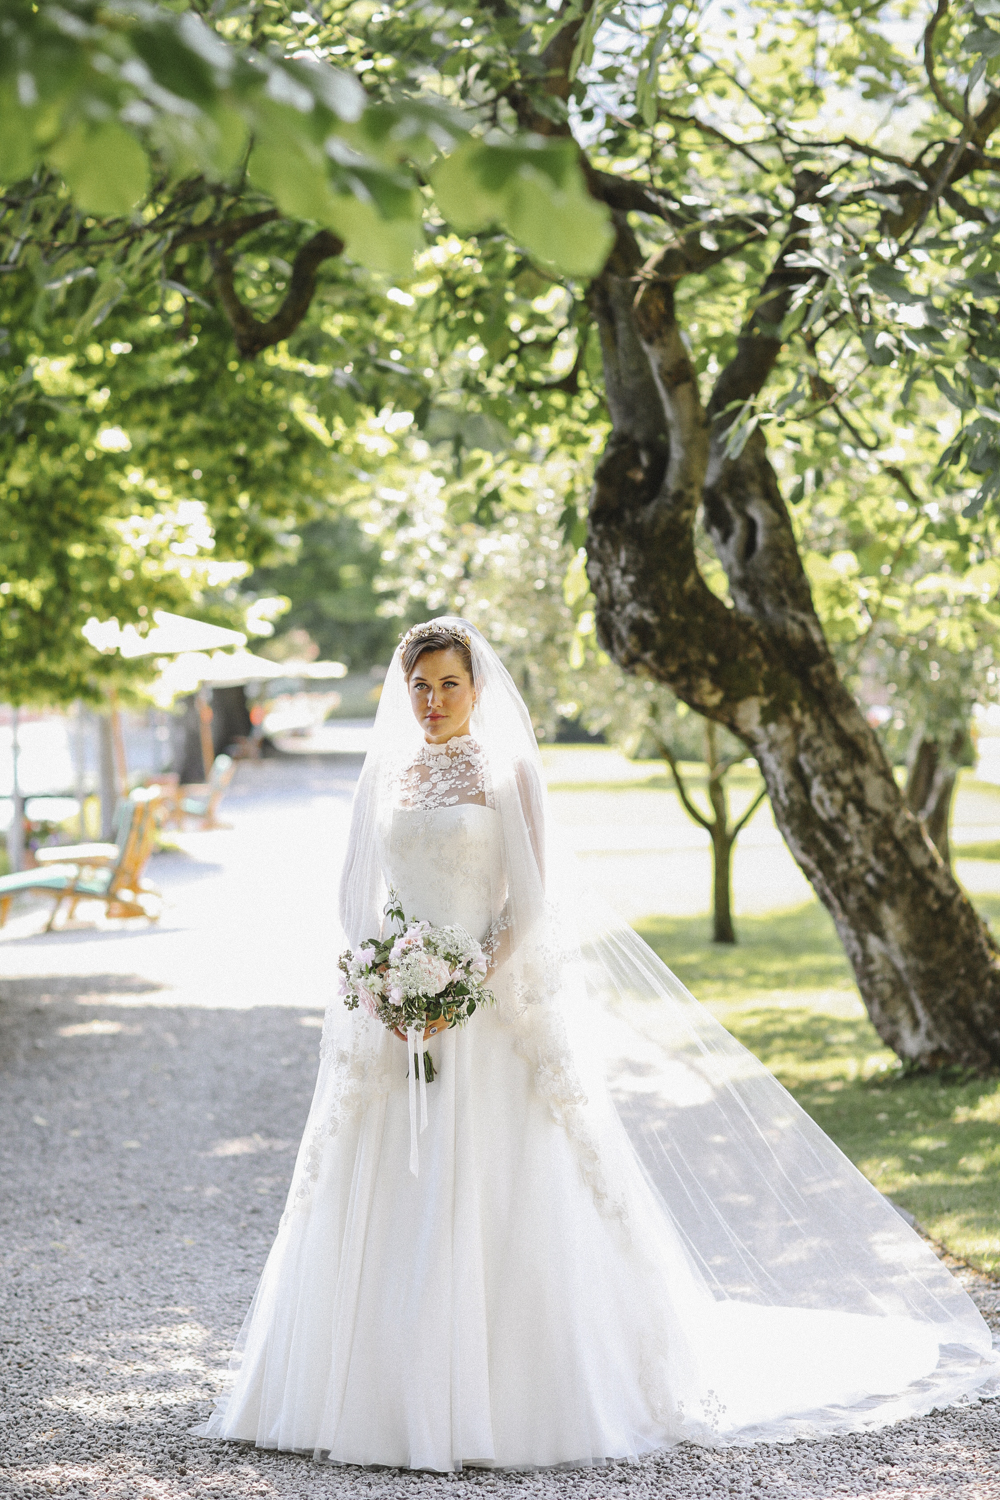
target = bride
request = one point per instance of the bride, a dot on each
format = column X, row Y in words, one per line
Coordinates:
column 617, row 1230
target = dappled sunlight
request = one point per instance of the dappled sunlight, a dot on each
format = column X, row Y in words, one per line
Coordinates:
column 795, row 949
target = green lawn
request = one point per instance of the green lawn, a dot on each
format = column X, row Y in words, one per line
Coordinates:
column 988, row 850
column 933, row 1145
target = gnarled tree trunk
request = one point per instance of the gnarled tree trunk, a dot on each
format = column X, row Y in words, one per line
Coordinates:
column 931, row 773
column 926, row 965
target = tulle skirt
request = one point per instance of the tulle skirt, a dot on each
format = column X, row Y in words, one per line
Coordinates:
column 490, row 1311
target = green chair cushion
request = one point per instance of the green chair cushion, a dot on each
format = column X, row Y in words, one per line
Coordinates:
column 53, row 880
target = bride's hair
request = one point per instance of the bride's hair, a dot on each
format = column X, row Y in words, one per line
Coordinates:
column 430, row 639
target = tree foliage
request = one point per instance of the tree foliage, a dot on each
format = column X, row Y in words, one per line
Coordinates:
column 791, row 348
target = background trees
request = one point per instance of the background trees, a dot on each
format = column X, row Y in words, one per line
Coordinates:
column 791, row 349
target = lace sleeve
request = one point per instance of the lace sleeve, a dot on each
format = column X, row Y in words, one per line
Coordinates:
column 496, row 945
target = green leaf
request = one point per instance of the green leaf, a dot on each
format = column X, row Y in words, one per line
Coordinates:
column 957, row 398
column 174, row 66
column 887, row 281
column 566, row 227
column 537, row 193
column 983, row 40
column 983, row 284
column 380, row 244
column 462, row 196
column 104, row 166
column 879, row 345
column 104, row 299
column 225, row 138
column 18, row 152
column 982, row 375
column 293, row 171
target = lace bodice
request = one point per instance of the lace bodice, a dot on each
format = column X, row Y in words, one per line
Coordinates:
column 445, row 865
column 443, row 776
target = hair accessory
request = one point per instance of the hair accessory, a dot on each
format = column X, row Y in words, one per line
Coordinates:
column 431, row 627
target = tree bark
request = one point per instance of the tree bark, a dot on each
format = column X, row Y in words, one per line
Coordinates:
column 926, row 965
column 931, row 773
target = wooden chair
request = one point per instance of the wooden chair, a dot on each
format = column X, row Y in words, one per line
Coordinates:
column 111, row 873
column 169, row 785
column 200, row 800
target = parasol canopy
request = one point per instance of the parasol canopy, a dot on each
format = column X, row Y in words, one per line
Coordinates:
column 170, row 635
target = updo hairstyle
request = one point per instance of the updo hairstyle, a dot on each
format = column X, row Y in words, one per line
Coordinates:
column 434, row 640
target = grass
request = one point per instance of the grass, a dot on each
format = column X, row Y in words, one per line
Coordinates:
column 786, row 992
column 988, row 850
column 695, row 774
column 785, row 950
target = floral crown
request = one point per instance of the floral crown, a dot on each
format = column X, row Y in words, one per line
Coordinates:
column 431, row 627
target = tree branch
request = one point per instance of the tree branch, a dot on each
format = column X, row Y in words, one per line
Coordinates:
column 682, row 792
column 626, row 196
column 570, row 382
column 932, row 78
column 251, row 335
column 226, row 233
column 739, row 826
column 716, row 134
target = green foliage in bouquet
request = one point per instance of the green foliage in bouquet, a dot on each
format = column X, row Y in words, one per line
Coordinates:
column 416, row 975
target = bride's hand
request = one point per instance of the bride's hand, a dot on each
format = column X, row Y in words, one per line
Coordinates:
column 429, row 1031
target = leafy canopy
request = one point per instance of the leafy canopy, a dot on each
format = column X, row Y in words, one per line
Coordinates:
column 843, row 152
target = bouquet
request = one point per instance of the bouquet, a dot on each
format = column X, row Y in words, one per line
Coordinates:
column 416, row 976
column 411, row 979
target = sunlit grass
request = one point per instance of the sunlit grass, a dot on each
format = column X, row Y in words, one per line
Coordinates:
column 695, row 774
column 988, row 850
column 786, row 992
column 786, row 950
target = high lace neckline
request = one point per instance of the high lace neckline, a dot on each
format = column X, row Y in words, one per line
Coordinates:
column 443, row 775
column 459, row 744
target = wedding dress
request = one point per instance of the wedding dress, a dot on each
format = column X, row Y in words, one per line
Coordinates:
column 622, row 1233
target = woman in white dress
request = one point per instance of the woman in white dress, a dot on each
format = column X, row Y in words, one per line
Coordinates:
column 621, row 1232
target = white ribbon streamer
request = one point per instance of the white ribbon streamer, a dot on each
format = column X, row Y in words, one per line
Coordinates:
column 415, row 1047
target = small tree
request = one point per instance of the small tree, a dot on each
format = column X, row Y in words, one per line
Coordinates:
column 717, row 825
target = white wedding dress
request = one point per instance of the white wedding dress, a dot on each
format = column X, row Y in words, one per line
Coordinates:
column 500, row 1308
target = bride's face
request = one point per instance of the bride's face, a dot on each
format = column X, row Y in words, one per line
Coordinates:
column 441, row 695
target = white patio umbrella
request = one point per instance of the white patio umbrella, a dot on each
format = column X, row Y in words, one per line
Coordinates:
column 170, row 635
column 315, row 671
column 193, row 669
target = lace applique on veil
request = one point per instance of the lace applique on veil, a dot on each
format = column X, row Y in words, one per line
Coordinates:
column 443, row 775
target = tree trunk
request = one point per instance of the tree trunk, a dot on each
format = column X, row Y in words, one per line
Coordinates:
column 927, row 967
column 723, row 839
column 192, row 764
column 230, row 717
column 723, row 930
column 932, row 771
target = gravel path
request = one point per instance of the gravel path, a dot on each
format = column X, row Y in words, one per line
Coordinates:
column 153, row 1084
